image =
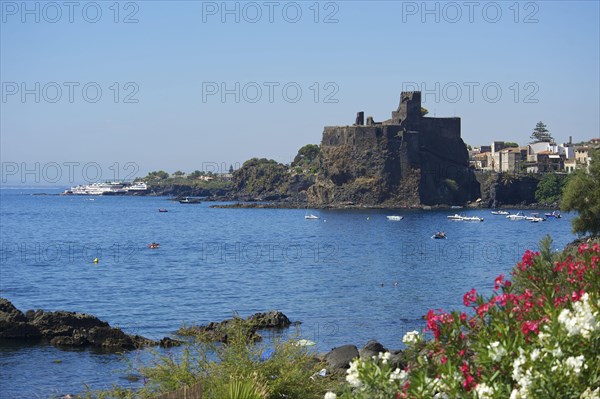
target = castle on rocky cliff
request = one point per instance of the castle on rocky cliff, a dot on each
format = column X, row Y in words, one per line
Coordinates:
column 408, row 160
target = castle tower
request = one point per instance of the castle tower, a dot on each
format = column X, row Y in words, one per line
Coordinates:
column 409, row 108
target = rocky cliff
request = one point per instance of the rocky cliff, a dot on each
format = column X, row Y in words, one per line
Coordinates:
column 409, row 160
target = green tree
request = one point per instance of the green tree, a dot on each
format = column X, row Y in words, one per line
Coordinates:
column 178, row 173
column 424, row 111
column 158, row 175
column 510, row 144
column 549, row 189
column 541, row 133
column 194, row 175
column 308, row 158
column 582, row 194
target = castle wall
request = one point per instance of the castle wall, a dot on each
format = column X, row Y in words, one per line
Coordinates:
column 448, row 128
column 409, row 160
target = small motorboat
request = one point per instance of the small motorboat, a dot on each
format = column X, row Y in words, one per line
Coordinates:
column 472, row 219
column 500, row 213
column 394, row 218
column 554, row 214
column 189, row 200
column 163, row 210
column 153, row 245
column 311, row 217
column 517, row 216
column 440, row 235
column 456, row 216
column 534, row 217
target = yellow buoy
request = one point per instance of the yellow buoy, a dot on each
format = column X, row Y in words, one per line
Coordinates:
column 96, row 260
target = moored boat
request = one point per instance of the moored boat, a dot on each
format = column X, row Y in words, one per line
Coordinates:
column 554, row 214
column 394, row 218
column 189, row 200
column 472, row 219
column 517, row 216
column 500, row 213
column 311, row 217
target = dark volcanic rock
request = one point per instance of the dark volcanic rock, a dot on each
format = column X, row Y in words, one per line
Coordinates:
column 272, row 319
column 340, row 358
column 372, row 348
column 14, row 324
column 18, row 330
column 53, row 324
column 9, row 312
column 220, row 331
column 67, row 329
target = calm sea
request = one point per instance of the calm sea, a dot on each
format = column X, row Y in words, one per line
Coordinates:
column 348, row 277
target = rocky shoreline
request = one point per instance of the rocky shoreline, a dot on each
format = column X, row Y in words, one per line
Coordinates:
column 64, row 329
column 296, row 205
column 69, row 329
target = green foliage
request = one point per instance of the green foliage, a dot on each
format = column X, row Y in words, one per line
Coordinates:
column 194, row 175
column 541, row 133
column 178, row 173
column 308, row 159
column 157, row 175
column 238, row 369
column 243, row 389
column 507, row 178
column 424, row 111
column 582, row 194
column 510, row 144
column 260, row 176
column 549, row 189
column 451, row 184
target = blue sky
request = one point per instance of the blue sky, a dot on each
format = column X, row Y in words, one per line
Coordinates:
column 172, row 59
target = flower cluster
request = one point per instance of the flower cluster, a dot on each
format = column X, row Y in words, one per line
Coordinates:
column 536, row 336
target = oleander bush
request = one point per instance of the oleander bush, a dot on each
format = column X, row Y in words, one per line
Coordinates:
column 537, row 336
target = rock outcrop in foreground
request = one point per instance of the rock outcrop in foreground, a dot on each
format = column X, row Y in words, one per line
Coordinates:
column 408, row 160
column 64, row 329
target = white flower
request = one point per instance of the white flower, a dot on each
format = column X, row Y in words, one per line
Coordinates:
column 515, row 394
column 484, row 391
column 352, row 376
column 521, row 375
column 575, row 364
column 582, row 320
column 398, row 375
column 496, row 351
column 589, row 394
column 330, row 395
column 411, row 337
column 385, row 357
column 535, row 354
column 557, row 352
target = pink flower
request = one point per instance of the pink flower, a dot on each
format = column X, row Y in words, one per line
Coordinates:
column 498, row 282
column 470, row 297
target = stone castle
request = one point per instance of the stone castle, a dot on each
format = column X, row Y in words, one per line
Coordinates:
column 408, row 160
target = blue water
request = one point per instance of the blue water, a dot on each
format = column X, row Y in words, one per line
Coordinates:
column 337, row 275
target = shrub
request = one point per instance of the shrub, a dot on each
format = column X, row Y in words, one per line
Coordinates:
column 538, row 337
column 239, row 369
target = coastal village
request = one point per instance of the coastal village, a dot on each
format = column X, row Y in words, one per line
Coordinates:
column 537, row 157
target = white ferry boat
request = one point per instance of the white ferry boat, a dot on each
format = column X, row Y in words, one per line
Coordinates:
column 109, row 188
